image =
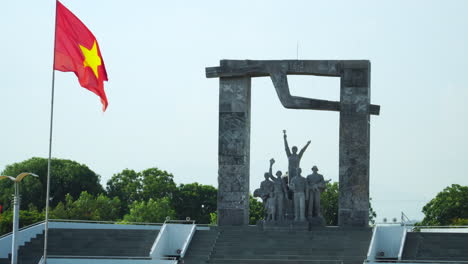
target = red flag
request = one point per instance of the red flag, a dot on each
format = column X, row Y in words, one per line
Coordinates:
column 76, row 50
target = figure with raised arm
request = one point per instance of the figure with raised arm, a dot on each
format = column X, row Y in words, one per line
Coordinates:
column 294, row 159
column 266, row 193
column 279, row 193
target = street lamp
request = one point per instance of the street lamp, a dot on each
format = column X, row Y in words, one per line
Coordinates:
column 16, row 205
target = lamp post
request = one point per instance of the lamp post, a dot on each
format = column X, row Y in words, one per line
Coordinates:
column 16, row 206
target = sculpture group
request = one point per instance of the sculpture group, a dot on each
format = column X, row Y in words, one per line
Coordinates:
column 292, row 197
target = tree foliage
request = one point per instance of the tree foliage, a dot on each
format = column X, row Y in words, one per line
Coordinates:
column 329, row 205
column 449, row 207
column 126, row 186
column 88, row 207
column 152, row 211
column 196, row 201
column 256, row 210
column 27, row 217
column 131, row 186
column 67, row 177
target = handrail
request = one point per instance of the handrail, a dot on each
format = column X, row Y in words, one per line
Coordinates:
column 22, row 228
column 103, row 222
column 402, row 243
column 96, row 257
column 191, row 222
column 188, row 240
column 449, row 226
column 404, row 218
column 85, row 221
column 371, row 244
column 423, row 261
column 284, row 260
column 156, row 241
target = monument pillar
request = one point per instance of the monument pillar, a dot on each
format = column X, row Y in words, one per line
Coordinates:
column 354, row 145
column 234, row 151
column 234, row 130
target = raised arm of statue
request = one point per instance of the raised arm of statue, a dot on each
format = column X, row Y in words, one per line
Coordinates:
column 271, row 168
column 286, row 146
column 304, row 149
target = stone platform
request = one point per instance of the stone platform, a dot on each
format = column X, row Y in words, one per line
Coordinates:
column 287, row 225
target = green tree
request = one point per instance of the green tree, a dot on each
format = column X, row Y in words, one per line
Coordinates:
column 157, row 184
column 449, row 207
column 214, row 218
column 88, row 207
column 256, row 211
column 130, row 186
column 196, row 201
column 67, row 177
column 329, row 205
column 126, row 186
column 152, row 211
column 27, row 217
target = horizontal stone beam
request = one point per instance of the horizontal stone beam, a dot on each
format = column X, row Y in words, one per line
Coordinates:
column 254, row 68
column 279, row 69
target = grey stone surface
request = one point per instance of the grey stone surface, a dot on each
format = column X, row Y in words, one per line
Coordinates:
column 298, row 185
column 294, row 158
column 354, row 145
column 107, row 243
column 234, row 129
column 435, row 247
column 234, row 151
column 315, row 186
column 321, row 245
column 283, row 225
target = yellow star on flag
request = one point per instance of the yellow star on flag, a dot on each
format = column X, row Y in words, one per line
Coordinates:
column 92, row 58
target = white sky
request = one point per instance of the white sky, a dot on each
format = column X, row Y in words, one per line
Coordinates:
column 163, row 111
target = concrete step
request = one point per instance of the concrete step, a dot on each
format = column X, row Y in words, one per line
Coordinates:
column 89, row 242
column 200, row 247
column 253, row 261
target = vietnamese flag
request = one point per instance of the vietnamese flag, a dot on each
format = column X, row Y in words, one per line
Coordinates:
column 76, row 50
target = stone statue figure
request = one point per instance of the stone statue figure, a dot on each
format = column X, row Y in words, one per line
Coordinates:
column 298, row 185
column 315, row 186
column 266, row 193
column 279, row 193
column 294, row 159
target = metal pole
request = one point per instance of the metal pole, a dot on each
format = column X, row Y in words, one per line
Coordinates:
column 46, row 224
column 14, row 240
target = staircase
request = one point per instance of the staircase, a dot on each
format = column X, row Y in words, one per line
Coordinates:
column 88, row 242
column 249, row 245
column 201, row 246
column 436, row 246
column 101, row 242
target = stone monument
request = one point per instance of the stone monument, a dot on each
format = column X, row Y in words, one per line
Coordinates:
column 294, row 159
column 234, row 130
column 297, row 212
column 316, row 184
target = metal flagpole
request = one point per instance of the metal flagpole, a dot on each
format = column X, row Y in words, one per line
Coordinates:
column 46, row 227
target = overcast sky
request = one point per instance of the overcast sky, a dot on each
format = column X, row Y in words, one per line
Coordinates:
column 163, row 112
